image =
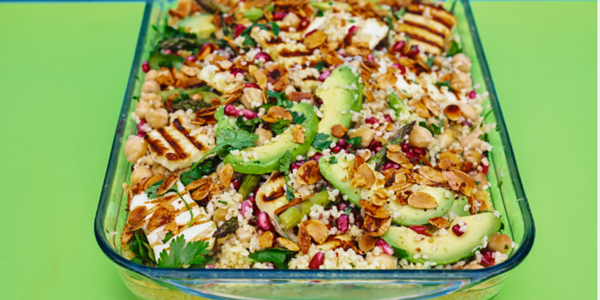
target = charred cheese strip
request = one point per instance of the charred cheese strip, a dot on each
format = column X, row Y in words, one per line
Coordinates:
column 428, row 27
column 175, row 148
column 287, row 54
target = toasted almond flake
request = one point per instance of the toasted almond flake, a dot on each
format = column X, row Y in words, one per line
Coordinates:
column 294, row 202
column 167, row 184
column 309, row 173
column 421, row 180
column 338, row 130
column 160, row 217
column 432, row 174
column 452, row 112
column 433, row 107
column 422, row 200
column 278, row 76
column 203, row 191
column 332, row 244
column 303, row 238
column 467, row 188
column 386, row 80
column 366, row 243
column 370, row 66
column 287, row 244
column 317, row 230
column 298, row 134
column 260, row 77
column 197, row 183
column 407, row 62
column 298, row 96
column 447, row 164
column 368, row 174
column 398, row 187
column 393, row 148
column 265, row 240
column 151, row 181
column 315, row 40
column 373, row 210
column 376, row 227
column 439, row 222
column 137, row 214
column 226, row 174
column 275, row 113
column 380, row 197
column 398, row 157
column 330, row 57
column 422, row 111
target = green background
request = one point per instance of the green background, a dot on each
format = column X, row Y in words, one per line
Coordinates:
column 63, row 73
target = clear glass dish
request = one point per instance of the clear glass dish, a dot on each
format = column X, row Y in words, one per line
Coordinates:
column 145, row 282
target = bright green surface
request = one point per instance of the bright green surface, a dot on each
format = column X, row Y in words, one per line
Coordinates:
column 63, row 74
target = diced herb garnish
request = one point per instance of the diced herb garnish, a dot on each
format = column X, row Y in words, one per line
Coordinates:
column 222, row 202
column 228, row 140
column 319, row 66
column 279, row 257
column 298, row 117
column 455, row 48
column 168, row 236
column 140, row 246
column 247, row 125
column 158, row 60
column 444, row 83
column 181, row 254
column 333, row 160
column 430, row 61
column 281, row 99
column 208, row 167
column 284, row 162
column 321, row 141
column 289, row 194
column 355, row 141
column 280, row 126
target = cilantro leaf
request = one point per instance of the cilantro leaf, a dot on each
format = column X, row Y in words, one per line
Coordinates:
column 248, row 125
column 332, row 160
column 424, row 125
column 227, row 140
column 281, row 99
column 280, row 126
column 430, row 61
column 168, row 236
column 437, row 129
column 298, row 117
column 181, row 254
column 284, row 162
column 275, row 28
column 158, row 60
column 455, row 48
column 355, row 141
column 141, row 248
column 321, row 141
column 444, row 83
column 208, row 167
column 319, row 66
column 289, row 194
column 279, row 257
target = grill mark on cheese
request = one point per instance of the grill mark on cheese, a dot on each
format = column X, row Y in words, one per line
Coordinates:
column 418, row 9
column 425, row 28
column 187, row 135
column 179, row 152
column 297, row 53
column 421, row 39
column 156, row 145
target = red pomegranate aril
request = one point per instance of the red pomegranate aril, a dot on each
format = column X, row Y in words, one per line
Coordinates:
column 264, row 56
column 316, row 157
column 336, row 149
column 236, row 71
column 467, row 123
column 342, row 143
column 412, row 155
column 310, row 32
column 371, row 120
column 375, row 144
column 304, row 23
column 210, row 266
column 472, row 95
column 402, row 69
column 387, row 165
column 191, row 58
column 398, row 46
column 352, row 30
column 456, row 230
column 395, row 166
column 414, row 51
column 487, row 257
column 252, row 85
column 388, row 119
column 405, row 147
column 418, row 151
column 420, row 229
column 246, row 205
column 279, row 15
column 145, row 67
column 342, row 206
column 342, row 223
column 251, row 199
column 139, row 127
column 485, row 169
column 263, row 222
column 236, row 183
column 378, row 148
column 387, row 249
column 231, row 111
column 370, row 58
column 296, row 165
column 324, row 75
column 248, row 114
column 316, row 261
column 168, row 51
column 238, row 29
column 319, row 101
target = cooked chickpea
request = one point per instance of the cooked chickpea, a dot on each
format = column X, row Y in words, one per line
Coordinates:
column 151, row 75
column 153, row 99
column 446, row 138
column 150, row 86
column 385, row 261
column 139, row 173
column 251, row 97
column 219, row 215
column 420, row 137
column 473, row 267
column 500, row 242
column 158, row 170
column 367, row 134
column 461, row 62
column 460, row 81
column 263, row 135
column 291, row 20
column 468, row 112
column 438, row 61
column 157, row 118
column 472, row 140
column 135, row 148
column 245, row 235
column 141, row 109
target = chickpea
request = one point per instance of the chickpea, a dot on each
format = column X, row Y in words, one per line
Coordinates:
column 291, row 20
column 290, row 89
column 438, row 61
column 500, row 242
column 150, row 86
column 481, row 178
column 473, row 156
column 263, row 135
column 141, row 109
column 420, row 137
column 139, row 173
column 158, row 170
column 473, row 267
column 385, row 261
column 470, row 142
column 135, row 148
column 367, row 134
column 219, row 215
column 153, row 99
column 151, row 75
column 468, row 112
column 460, row 81
column 446, row 138
column 461, row 62
column 251, row 97
column 157, row 118
column 245, row 235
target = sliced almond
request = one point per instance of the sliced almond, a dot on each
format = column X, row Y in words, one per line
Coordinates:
column 393, row 148
column 198, row 183
column 203, row 191
column 303, row 238
column 432, row 174
column 317, row 230
column 160, row 217
column 265, row 240
column 376, row 227
column 467, row 188
column 433, row 107
column 309, row 173
column 398, row 187
column 439, row 222
column 398, row 157
column 447, row 164
column 278, row 76
column 277, row 112
column 373, row 210
column 137, row 214
column 422, row 200
column 338, row 130
column 368, row 174
column 167, row 184
column 366, row 242
column 422, row 111
column 226, row 174
column 299, row 96
column 452, row 112
column 370, row 66
column 332, row 244
column 151, row 181
column 380, row 197
column 315, row 40
column 330, row 57
column 298, row 134
column 421, row 180
column 287, row 244
column 386, row 80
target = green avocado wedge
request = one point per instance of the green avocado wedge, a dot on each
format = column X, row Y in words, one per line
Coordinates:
column 293, row 215
column 408, row 215
column 458, row 207
column 334, row 173
column 270, row 154
column 446, row 249
column 202, row 25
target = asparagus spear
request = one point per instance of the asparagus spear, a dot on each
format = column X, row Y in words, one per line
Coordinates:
column 249, row 185
column 293, row 215
column 395, row 140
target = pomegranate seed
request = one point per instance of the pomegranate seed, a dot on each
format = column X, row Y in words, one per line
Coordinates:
column 168, row 51
column 252, row 85
column 248, row 114
column 236, row 71
column 412, row 155
column 231, row 111
column 251, row 199
column 398, row 46
column 263, row 222
column 303, row 24
column 236, row 183
column 246, row 205
column 400, row 67
column 336, row 149
column 342, row 223
column 316, row 261
column 191, row 58
column 405, row 147
column 418, row 151
column 487, row 257
column 316, row 157
column 420, row 229
column 375, row 144
column 387, row 165
column 309, row 33
column 342, row 143
column 342, row 206
column 456, row 230
column 324, row 75
column 485, row 169
column 371, row 121
column 296, row 165
column 467, row 123
column 278, row 16
column 378, row 148
column 472, row 95
column 262, row 55
column 139, row 127
column 387, row 249
column 145, row 67
column 210, row 266
column 238, row 29
column 388, row 119
column 395, row 166
column 319, row 101
column 370, row 58
column 352, row 30
column 414, row 51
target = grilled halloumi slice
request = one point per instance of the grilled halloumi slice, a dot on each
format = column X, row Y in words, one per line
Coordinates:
column 289, row 53
column 175, row 148
column 215, row 78
column 428, row 27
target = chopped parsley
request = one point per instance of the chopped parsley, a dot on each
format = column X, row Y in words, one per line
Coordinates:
column 333, row 160
column 158, row 60
column 144, row 255
column 279, row 257
column 298, row 117
column 284, row 162
column 247, row 125
column 181, row 254
column 455, row 48
column 168, row 236
column 319, row 66
column 321, row 141
column 281, row 99
column 280, row 126
column 227, row 140
column 444, row 83
column 222, row 202
column 355, row 141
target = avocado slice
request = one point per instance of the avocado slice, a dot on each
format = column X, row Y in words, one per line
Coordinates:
column 334, row 173
column 458, row 207
column 409, row 215
column 325, row 6
column 449, row 248
column 397, row 104
column 293, row 215
column 269, row 155
column 340, row 93
column 202, row 25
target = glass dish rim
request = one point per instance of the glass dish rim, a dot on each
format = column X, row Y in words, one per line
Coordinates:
column 335, row 274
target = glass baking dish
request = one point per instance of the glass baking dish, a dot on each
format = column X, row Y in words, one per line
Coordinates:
column 145, row 282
